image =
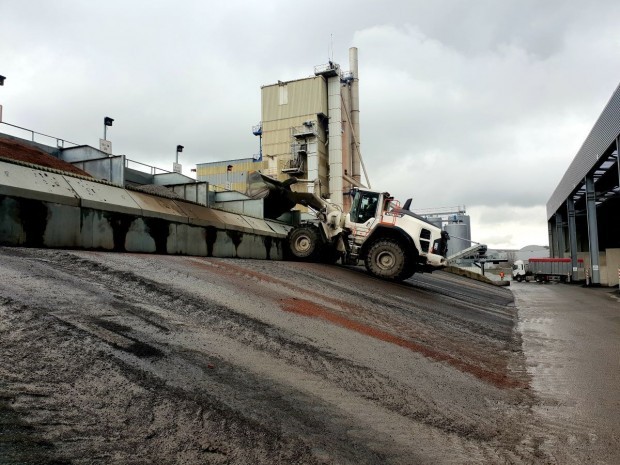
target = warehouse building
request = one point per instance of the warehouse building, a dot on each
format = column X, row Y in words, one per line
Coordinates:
column 583, row 213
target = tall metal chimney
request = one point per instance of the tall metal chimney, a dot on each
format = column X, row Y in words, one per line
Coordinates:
column 355, row 115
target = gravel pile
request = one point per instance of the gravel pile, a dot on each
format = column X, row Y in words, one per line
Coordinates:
column 15, row 150
column 161, row 191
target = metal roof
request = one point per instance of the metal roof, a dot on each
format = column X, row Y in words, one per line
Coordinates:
column 601, row 137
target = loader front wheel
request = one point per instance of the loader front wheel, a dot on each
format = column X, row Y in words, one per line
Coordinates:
column 407, row 272
column 304, row 243
column 386, row 259
column 330, row 254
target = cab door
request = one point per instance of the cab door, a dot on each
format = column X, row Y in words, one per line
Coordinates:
column 363, row 214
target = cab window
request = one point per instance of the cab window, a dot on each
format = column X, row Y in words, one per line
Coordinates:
column 365, row 206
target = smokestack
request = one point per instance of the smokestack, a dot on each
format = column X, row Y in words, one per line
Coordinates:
column 355, row 115
column 347, row 145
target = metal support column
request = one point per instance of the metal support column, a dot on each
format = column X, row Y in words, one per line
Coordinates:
column 618, row 157
column 592, row 229
column 559, row 231
column 572, row 236
column 551, row 240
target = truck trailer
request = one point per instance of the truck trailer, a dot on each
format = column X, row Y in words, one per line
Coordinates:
column 544, row 269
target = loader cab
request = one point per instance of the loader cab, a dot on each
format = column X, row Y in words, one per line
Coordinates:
column 364, row 205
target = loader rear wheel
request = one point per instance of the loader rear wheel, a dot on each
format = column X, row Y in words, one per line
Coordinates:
column 304, row 243
column 386, row 259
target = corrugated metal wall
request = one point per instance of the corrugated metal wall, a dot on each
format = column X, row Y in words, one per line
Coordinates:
column 217, row 174
column 603, row 134
column 277, row 134
column 305, row 97
column 284, row 106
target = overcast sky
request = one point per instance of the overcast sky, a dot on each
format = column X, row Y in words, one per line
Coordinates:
column 476, row 103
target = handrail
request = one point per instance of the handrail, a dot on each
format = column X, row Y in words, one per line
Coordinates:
column 60, row 145
column 153, row 169
column 441, row 210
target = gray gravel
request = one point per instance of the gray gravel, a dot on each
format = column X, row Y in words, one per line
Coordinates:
column 136, row 359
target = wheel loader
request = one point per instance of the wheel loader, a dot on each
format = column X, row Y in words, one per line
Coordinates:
column 391, row 241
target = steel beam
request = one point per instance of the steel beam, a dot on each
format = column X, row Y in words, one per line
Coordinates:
column 559, row 231
column 618, row 157
column 592, row 229
column 572, row 236
column 551, row 239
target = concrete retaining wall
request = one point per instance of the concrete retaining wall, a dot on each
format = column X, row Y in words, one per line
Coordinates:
column 46, row 208
column 612, row 258
column 608, row 274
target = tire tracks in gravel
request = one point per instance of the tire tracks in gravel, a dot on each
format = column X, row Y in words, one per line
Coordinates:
column 232, row 272
column 262, row 337
column 98, row 411
column 147, row 365
column 166, row 310
column 472, row 356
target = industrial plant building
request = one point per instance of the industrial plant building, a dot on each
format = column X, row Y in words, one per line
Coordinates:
column 309, row 129
column 583, row 212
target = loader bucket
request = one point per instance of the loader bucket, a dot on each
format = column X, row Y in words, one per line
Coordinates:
column 277, row 195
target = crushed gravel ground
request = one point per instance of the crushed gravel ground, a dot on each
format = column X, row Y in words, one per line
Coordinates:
column 138, row 359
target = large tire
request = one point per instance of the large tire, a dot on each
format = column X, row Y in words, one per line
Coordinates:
column 386, row 259
column 304, row 243
column 329, row 254
column 519, row 278
column 407, row 273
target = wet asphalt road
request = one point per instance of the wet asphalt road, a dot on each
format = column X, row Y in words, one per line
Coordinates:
column 571, row 338
column 120, row 358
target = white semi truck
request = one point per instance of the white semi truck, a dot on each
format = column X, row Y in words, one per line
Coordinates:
column 543, row 269
column 393, row 242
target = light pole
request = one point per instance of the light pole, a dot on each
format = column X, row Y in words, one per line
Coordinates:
column 229, row 169
column 176, row 168
column 104, row 144
column 107, row 121
column 2, row 78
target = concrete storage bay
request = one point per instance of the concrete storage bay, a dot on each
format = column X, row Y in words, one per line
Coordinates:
column 48, row 208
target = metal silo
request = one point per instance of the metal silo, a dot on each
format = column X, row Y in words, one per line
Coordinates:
column 459, row 229
column 435, row 220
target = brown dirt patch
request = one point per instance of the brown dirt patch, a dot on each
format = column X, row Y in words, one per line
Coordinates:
column 310, row 309
column 466, row 355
